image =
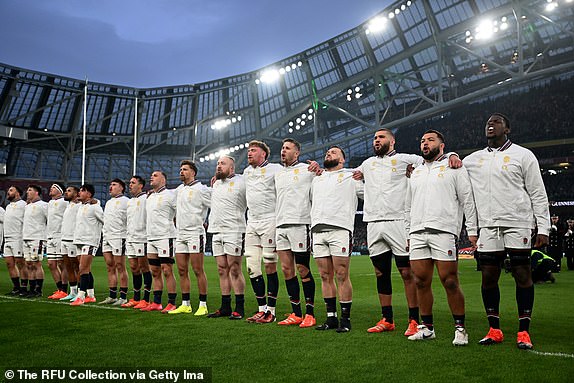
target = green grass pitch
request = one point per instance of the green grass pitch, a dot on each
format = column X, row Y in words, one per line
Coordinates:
column 36, row 333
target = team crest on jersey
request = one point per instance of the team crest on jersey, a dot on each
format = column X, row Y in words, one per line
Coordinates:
column 165, row 251
column 117, row 203
column 194, row 247
column 237, row 249
column 263, row 171
column 138, row 203
column 139, row 250
column 441, row 168
column 300, row 245
column 270, row 241
column 506, row 159
column 450, row 253
column 296, row 171
column 340, row 178
column 231, row 184
column 190, row 193
column 525, row 240
column 393, row 162
column 344, row 249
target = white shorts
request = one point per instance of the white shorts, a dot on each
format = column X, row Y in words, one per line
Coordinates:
column 332, row 243
column 54, row 249
column 86, row 250
column 493, row 239
column 34, row 250
column 115, row 246
column 164, row 248
column 383, row 236
column 439, row 246
column 193, row 244
column 13, row 248
column 228, row 244
column 69, row 249
column 260, row 234
column 293, row 237
column 136, row 249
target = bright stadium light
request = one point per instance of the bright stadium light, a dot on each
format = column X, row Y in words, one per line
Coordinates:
column 269, row 76
column 551, row 5
column 485, row 30
column 301, row 120
column 377, row 24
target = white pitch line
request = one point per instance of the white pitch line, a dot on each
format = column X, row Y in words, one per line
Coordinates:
column 60, row 303
column 558, row 354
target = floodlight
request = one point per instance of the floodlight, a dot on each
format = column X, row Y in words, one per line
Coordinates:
column 270, row 75
column 201, row 159
column 290, row 130
column 310, row 110
column 241, row 146
column 236, row 147
column 302, row 123
column 377, row 24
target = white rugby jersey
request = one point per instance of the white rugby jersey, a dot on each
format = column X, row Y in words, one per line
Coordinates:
column 115, row 217
column 136, row 219
column 437, row 197
column 13, row 220
column 293, row 189
column 334, row 199
column 508, row 188
column 193, row 202
column 228, row 205
column 386, row 185
column 160, row 212
column 260, row 185
column 35, row 220
column 69, row 221
column 2, row 213
column 56, row 208
column 89, row 223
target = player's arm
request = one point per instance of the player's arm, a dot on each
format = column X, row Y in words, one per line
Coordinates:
column 535, row 188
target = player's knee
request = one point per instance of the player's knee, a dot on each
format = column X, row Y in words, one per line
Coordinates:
column 384, row 285
column 422, row 283
column 406, row 274
column 450, row 283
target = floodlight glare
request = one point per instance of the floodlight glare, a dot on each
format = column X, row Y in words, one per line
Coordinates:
column 377, row 24
column 201, row 159
column 397, row 11
column 504, row 26
column 291, row 123
column 293, row 66
column 239, row 118
column 310, row 110
column 212, row 156
column 350, row 91
column 241, row 146
column 403, row 7
column 409, row 3
column 287, row 68
column 358, row 95
column 236, row 147
column 302, row 123
column 303, row 116
column 551, row 6
column 298, row 127
column 484, row 30
column 349, row 98
column 391, row 15
column 310, row 117
column 357, row 89
column 299, row 63
column 270, row 75
column 298, row 120
column 290, row 130
column 281, row 70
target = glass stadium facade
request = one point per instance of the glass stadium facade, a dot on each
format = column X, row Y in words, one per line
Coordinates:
column 415, row 60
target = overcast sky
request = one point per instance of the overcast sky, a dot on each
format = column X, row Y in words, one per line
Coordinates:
column 147, row 43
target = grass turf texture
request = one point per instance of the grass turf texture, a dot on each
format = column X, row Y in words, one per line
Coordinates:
column 50, row 335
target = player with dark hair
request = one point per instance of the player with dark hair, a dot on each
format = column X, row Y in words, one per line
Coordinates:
column 34, row 237
column 12, row 251
column 114, row 243
column 334, row 196
column 436, row 198
column 68, row 250
column 511, row 201
column 136, row 239
column 193, row 202
column 89, row 222
column 293, row 218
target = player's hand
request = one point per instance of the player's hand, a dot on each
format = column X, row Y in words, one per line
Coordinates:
column 314, row 167
column 541, row 240
column 473, row 240
column 410, row 169
column 358, row 175
column 454, row 162
column 212, row 181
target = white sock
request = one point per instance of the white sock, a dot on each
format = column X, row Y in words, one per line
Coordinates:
column 263, row 308
column 91, row 293
column 82, row 295
column 74, row 290
column 202, row 304
column 272, row 309
column 185, row 303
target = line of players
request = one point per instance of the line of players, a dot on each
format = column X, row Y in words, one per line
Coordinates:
column 414, row 221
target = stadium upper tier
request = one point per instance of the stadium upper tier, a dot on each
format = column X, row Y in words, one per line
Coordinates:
column 414, row 60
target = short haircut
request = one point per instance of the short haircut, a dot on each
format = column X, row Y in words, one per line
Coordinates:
column 122, row 183
column 338, row 147
column 89, row 188
column 164, row 176
column 190, row 164
column 38, row 188
column 74, row 188
column 140, row 179
column 506, row 120
column 261, row 145
column 438, row 134
column 19, row 190
column 294, row 142
column 386, row 130
column 228, row 156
